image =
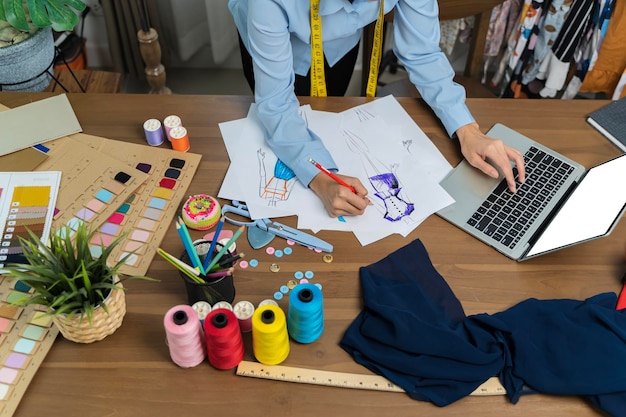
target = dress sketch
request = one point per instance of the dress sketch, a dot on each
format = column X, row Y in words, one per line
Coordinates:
column 383, row 179
column 279, row 185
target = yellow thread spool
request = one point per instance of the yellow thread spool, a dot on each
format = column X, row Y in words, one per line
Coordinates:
column 270, row 340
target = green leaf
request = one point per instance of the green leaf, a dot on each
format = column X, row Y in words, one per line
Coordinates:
column 15, row 15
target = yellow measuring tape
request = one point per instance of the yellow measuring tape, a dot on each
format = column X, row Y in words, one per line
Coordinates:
column 318, row 79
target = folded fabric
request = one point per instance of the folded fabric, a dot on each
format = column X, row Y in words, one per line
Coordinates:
column 413, row 331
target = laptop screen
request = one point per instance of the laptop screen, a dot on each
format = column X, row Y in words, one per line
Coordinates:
column 591, row 211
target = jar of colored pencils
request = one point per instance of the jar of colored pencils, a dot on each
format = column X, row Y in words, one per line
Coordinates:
column 215, row 285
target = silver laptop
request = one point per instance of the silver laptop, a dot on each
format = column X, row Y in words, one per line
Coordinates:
column 559, row 205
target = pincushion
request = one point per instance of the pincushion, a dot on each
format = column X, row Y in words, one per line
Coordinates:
column 201, row 212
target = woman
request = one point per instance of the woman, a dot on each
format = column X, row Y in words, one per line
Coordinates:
column 276, row 55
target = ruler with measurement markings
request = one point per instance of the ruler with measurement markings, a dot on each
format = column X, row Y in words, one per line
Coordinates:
column 341, row 379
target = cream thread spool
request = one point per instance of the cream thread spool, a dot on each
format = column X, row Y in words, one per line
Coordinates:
column 171, row 122
column 179, row 139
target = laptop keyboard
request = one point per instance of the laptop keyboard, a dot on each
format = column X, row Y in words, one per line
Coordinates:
column 506, row 216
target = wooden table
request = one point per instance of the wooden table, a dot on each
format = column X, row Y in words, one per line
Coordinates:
column 131, row 374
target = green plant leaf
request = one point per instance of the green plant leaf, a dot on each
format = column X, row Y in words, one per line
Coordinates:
column 15, row 15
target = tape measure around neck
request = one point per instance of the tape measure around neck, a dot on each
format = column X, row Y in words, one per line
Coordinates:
column 318, row 79
column 342, row 379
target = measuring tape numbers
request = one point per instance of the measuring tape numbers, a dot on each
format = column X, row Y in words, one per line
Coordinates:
column 318, row 78
column 342, row 379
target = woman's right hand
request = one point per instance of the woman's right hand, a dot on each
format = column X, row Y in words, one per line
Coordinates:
column 338, row 199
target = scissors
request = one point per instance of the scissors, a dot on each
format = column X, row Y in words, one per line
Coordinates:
column 273, row 227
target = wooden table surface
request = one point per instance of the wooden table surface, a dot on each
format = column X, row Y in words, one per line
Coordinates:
column 131, row 374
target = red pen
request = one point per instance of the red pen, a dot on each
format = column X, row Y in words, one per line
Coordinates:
column 331, row 175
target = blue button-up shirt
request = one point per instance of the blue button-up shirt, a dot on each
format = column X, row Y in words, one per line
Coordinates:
column 277, row 35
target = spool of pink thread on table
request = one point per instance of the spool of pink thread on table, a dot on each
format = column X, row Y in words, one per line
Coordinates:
column 184, row 336
column 171, row 122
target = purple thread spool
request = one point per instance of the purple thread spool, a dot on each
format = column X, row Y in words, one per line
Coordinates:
column 153, row 131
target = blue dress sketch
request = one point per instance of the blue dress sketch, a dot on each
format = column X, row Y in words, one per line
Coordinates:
column 278, row 187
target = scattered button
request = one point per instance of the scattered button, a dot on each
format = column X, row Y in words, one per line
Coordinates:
column 291, row 284
column 298, row 275
column 278, row 253
column 278, row 295
column 309, row 274
column 284, row 289
column 328, row 258
column 274, row 267
column 254, row 263
column 243, row 264
column 269, row 250
column 290, row 242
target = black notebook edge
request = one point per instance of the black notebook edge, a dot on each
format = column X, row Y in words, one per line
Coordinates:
column 606, row 112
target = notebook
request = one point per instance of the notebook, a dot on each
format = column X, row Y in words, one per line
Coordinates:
column 610, row 120
column 559, row 205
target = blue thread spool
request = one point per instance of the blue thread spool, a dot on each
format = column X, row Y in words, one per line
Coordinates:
column 305, row 318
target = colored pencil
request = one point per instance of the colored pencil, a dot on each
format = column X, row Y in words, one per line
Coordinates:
column 181, row 266
column 336, row 178
column 332, row 175
column 216, row 237
column 189, row 246
column 227, row 261
column 220, row 274
column 222, row 251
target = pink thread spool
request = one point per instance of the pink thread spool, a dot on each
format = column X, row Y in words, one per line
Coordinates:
column 170, row 122
column 244, row 311
column 184, row 336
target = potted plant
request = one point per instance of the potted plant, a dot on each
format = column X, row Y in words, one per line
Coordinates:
column 81, row 289
column 26, row 43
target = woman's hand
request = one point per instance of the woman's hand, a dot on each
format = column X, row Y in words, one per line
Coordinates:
column 477, row 147
column 338, row 199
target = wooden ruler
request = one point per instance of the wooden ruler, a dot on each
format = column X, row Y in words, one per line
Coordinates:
column 341, row 379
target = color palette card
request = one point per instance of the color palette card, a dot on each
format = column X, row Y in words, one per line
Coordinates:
column 26, row 336
column 27, row 202
column 124, row 189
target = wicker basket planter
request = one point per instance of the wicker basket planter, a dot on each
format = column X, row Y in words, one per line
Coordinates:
column 78, row 329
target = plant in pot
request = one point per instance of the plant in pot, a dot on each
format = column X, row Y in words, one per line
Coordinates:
column 26, row 43
column 81, row 289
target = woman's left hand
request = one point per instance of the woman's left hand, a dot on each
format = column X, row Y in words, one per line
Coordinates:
column 476, row 147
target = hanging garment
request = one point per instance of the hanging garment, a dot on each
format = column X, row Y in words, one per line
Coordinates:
column 502, row 22
column 557, row 65
column 413, row 331
column 611, row 61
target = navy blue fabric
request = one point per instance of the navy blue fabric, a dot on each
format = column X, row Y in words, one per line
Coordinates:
column 413, row 331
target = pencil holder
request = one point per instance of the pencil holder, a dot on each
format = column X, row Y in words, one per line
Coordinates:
column 217, row 286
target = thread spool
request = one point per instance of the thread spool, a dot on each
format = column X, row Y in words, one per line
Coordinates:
column 224, row 344
column 179, row 139
column 154, row 133
column 171, row 122
column 305, row 316
column 244, row 311
column 202, row 309
column 184, row 336
column 270, row 340
column 222, row 304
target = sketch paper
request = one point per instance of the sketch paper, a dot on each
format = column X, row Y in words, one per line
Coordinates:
column 377, row 142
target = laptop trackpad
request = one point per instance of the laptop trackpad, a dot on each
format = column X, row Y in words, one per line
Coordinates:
column 468, row 186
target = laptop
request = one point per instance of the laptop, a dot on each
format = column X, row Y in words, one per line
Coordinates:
column 560, row 204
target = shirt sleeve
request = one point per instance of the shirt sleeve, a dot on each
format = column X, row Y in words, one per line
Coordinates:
column 286, row 131
column 416, row 44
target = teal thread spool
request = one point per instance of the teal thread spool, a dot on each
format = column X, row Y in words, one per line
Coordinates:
column 305, row 317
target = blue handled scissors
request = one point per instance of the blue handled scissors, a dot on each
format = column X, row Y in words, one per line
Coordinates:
column 273, row 227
